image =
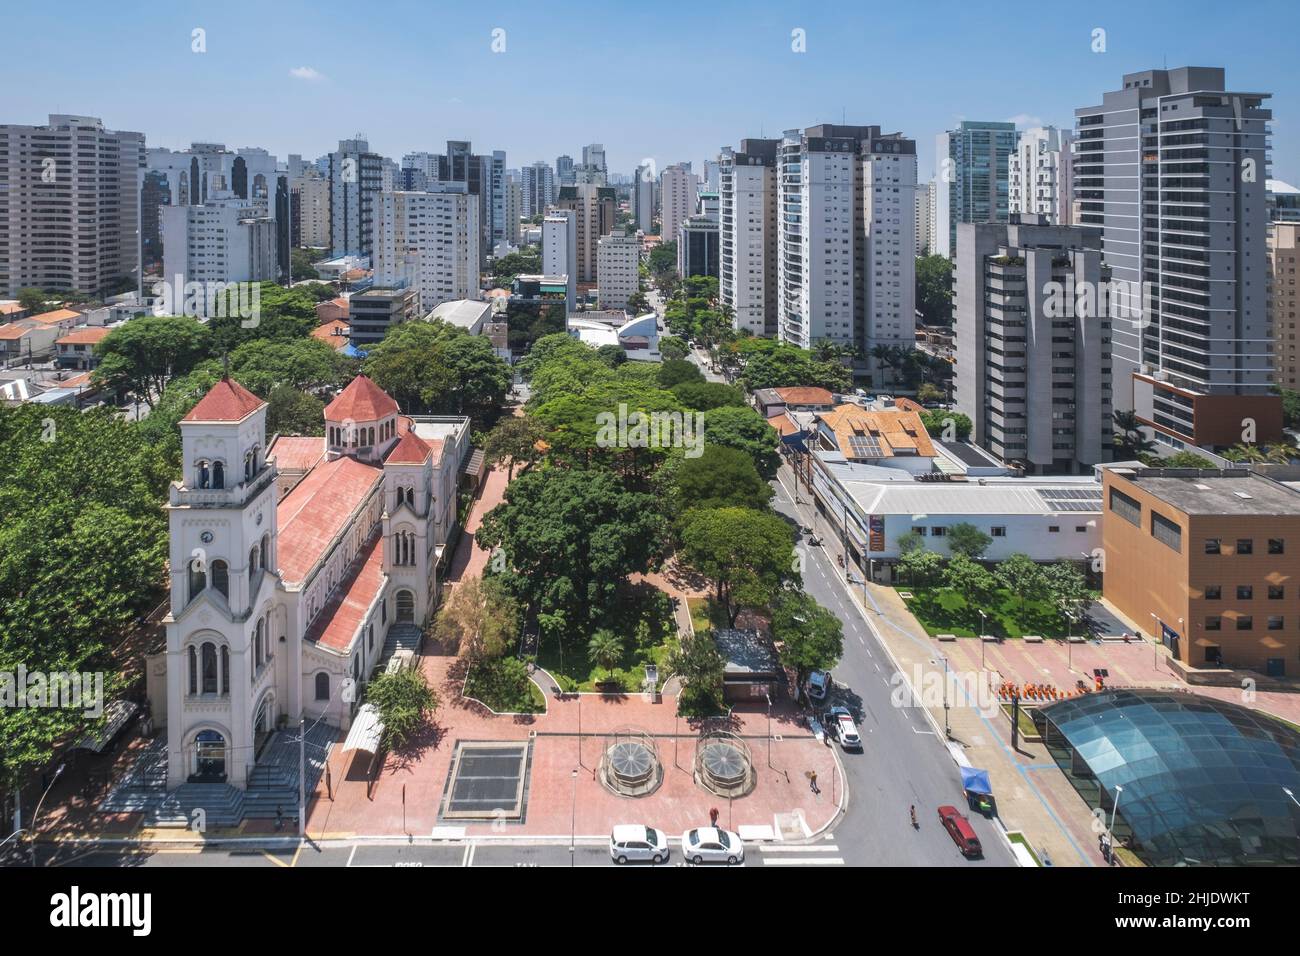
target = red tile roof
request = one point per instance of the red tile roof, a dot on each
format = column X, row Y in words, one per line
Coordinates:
column 410, row 449
column 337, row 623
column 14, row 330
column 297, row 452
column 227, row 401
column 783, row 425
column 361, row 401
column 333, row 333
column 804, row 395
column 77, row 381
column 58, row 315
column 87, row 336
column 317, row 509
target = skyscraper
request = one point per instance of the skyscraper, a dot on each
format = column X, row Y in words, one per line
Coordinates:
column 538, row 189
column 438, row 231
column 1172, row 167
column 564, row 174
column 678, row 199
column 355, row 177
column 643, row 198
column 973, row 167
column 69, row 206
column 747, row 239
column 594, row 208
column 1040, row 174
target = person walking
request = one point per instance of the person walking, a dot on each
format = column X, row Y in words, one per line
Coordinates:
column 812, row 781
column 713, row 817
column 279, row 817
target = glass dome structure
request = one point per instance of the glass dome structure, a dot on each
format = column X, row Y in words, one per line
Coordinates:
column 1198, row 781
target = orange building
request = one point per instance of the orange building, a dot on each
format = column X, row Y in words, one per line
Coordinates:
column 1208, row 562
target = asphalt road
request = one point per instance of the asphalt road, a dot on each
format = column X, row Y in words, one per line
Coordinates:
column 903, row 760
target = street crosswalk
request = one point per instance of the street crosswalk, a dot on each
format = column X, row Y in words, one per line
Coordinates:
column 796, row 854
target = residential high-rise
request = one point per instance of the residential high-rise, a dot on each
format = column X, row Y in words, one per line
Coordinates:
column 69, row 206
column 747, row 238
column 595, row 207
column 711, row 181
column 224, row 240
column 924, row 201
column 560, row 251
column 514, row 207
column 678, row 199
column 1040, row 174
column 439, row 230
column 846, row 266
column 593, row 169
column 494, row 180
column 1283, row 202
column 1033, row 371
column 1283, row 303
column 618, row 261
column 538, row 189
column 1172, row 167
column 355, row 179
column 973, row 164
column 643, row 198
column 485, row 177
column 311, row 206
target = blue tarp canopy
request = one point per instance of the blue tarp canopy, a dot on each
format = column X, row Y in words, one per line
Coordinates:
column 976, row 781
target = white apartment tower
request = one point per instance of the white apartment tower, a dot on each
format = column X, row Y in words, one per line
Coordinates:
column 643, row 198
column 69, row 205
column 1040, row 175
column 618, row 260
column 924, row 217
column 439, row 231
column 560, row 250
column 355, row 176
column 747, row 239
column 678, row 198
column 222, row 241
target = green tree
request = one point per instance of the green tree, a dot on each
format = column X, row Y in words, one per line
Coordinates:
column 910, row 541
column 672, row 347
column 1067, row 588
column 676, row 371
column 720, row 478
column 699, row 666
column 1023, row 577
column 934, row 289
column 309, row 364
column 605, row 650
column 945, row 425
column 143, row 355
column 32, row 300
column 965, row 538
column 919, row 567
column 293, row 412
column 1130, row 443
column 1290, row 404
column 569, row 539
column 1186, row 459
column 282, row 314
column 928, row 394
column 404, row 700
column 972, row 581
column 478, row 619
column 810, row 638
column 706, row 396
column 747, row 554
column 745, row 430
column 513, row 439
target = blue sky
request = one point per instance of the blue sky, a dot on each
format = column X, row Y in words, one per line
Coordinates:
column 667, row 80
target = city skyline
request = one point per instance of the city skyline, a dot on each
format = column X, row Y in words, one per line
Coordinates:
column 292, row 85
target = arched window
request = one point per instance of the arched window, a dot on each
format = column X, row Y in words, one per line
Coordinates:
column 198, row 578
column 248, row 465
column 194, row 669
column 370, row 637
column 221, row 577
column 257, row 641
column 209, row 655
column 204, row 476
column 264, row 552
column 225, row 670
column 322, row 686
column 370, row 432
column 219, row 475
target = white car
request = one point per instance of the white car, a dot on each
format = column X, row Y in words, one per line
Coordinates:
column 711, row 844
column 846, row 732
column 819, row 685
column 630, row 842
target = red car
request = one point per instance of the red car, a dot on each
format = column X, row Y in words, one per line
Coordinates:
column 960, row 830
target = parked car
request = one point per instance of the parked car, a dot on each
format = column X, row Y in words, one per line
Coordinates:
column 840, row 721
column 819, row 685
column 960, row 830
column 630, row 842
column 712, row 845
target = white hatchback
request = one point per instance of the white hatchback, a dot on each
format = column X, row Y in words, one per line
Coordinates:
column 630, row 842
column 712, row 845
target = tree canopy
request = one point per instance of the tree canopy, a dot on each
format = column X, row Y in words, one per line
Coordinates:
column 747, row 554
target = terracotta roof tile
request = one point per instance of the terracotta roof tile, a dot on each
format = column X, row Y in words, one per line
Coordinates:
column 361, row 401
column 783, row 425
column 227, row 401
column 56, row 316
column 410, row 449
column 297, row 452
column 333, row 333
column 85, row 336
column 317, row 509
column 336, row 625
column 895, row 432
column 804, row 395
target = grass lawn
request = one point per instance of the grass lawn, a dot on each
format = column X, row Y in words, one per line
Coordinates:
column 1015, row 836
column 573, row 669
column 706, row 614
column 944, row 611
column 513, row 694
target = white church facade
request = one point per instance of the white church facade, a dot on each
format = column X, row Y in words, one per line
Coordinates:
column 290, row 563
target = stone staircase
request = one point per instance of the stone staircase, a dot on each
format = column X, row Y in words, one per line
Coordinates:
column 401, row 637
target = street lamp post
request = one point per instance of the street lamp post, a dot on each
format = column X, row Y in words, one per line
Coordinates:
column 947, row 732
column 1155, row 640
column 573, row 818
column 769, row 730
column 983, row 627
column 1110, row 830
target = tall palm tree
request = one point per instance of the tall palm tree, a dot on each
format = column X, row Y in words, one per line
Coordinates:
column 605, row 650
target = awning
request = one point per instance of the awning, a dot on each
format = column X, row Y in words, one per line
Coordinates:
column 474, row 467
column 366, row 732
column 976, row 781
column 117, row 714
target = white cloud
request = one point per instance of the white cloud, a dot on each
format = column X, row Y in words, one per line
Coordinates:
column 306, row 73
column 1025, row 121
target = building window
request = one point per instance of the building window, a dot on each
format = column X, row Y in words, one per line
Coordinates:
column 194, row 670
column 1245, row 623
column 1276, row 592
column 1275, row 622
column 219, row 475
column 998, row 531
column 1245, row 592
column 221, row 577
column 1053, row 528
column 1213, row 592
column 1276, row 546
column 1213, row 623
column 209, row 673
column 1166, row 532
column 322, row 686
column 1245, row 546
column 1126, row 507
column 1212, row 546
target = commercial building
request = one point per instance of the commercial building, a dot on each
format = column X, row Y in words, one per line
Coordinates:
column 1283, row 201
column 1282, row 301
column 747, row 236
column 69, row 206
column 564, row 174
column 594, row 208
column 440, row 230
column 973, row 163
column 1208, row 562
column 538, row 189
column 1173, row 168
column 697, row 247
column 355, row 181
column 1041, row 175
column 618, row 276
column 376, row 309
column 469, row 314
column 1033, row 359
column 643, row 198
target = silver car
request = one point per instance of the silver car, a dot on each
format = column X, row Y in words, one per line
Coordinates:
column 630, row 842
column 712, row 845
